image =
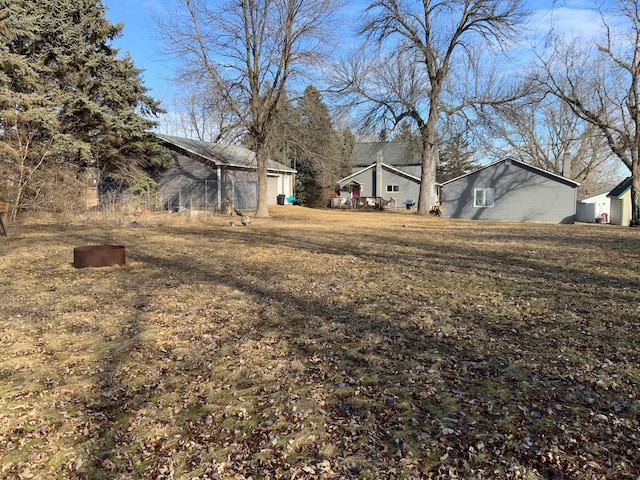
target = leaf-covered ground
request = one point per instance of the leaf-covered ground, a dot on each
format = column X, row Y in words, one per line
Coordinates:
column 320, row 344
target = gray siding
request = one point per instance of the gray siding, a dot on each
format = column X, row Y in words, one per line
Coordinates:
column 241, row 186
column 414, row 170
column 366, row 179
column 188, row 180
column 408, row 188
column 521, row 193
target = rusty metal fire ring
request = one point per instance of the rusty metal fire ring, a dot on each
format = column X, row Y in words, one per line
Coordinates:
column 98, row 256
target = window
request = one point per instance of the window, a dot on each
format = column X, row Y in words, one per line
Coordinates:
column 393, row 188
column 483, row 197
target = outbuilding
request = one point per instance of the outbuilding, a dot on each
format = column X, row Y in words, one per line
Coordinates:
column 510, row 190
column 621, row 203
column 202, row 175
column 594, row 207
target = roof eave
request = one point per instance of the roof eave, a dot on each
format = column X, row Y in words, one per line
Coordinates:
column 560, row 178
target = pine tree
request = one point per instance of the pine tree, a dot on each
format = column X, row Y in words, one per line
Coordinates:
column 405, row 133
column 320, row 155
column 317, row 169
column 455, row 158
column 348, row 143
column 67, row 100
column 304, row 138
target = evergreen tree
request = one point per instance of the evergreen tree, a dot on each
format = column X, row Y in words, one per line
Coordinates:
column 406, row 134
column 304, row 138
column 320, row 160
column 308, row 183
column 455, row 158
column 67, row 100
column 348, row 143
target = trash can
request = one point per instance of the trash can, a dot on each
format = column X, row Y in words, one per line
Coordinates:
column 281, row 199
column 409, row 204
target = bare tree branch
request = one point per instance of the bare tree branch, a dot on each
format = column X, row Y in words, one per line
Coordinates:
column 417, row 44
column 249, row 51
column 601, row 85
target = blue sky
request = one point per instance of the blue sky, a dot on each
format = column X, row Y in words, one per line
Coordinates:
column 142, row 41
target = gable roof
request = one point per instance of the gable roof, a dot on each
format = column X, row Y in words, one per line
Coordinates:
column 393, row 153
column 621, row 188
column 528, row 166
column 597, row 193
column 384, row 165
column 218, row 154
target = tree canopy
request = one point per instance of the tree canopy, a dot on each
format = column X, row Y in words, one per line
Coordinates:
column 247, row 53
column 304, row 136
column 320, row 163
column 405, row 70
column 68, row 100
column 600, row 82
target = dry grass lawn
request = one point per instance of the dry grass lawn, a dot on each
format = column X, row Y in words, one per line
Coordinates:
column 320, row 344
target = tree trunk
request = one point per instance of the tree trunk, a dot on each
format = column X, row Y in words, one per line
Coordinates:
column 427, row 179
column 262, row 158
column 635, row 194
column 23, row 179
column 429, row 137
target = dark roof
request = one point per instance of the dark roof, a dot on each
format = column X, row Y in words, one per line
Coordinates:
column 619, row 189
column 393, row 153
column 218, row 154
column 541, row 171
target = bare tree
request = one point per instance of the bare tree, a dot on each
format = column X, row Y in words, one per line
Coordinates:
column 248, row 52
column 198, row 113
column 420, row 46
column 540, row 131
column 600, row 82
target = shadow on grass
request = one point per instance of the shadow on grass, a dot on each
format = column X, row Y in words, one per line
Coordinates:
column 494, row 360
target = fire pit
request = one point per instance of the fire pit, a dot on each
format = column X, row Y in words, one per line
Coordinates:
column 98, row 256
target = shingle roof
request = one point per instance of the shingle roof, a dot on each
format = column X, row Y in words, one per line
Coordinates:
column 393, row 153
column 227, row 155
column 620, row 188
column 559, row 178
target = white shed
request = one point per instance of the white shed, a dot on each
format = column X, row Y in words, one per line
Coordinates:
column 594, row 207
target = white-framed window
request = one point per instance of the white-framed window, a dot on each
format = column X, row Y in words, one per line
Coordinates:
column 483, row 197
column 393, row 188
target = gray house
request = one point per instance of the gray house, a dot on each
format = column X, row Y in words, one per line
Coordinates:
column 388, row 170
column 202, row 174
column 379, row 180
column 510, row 190
column 400, row 155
